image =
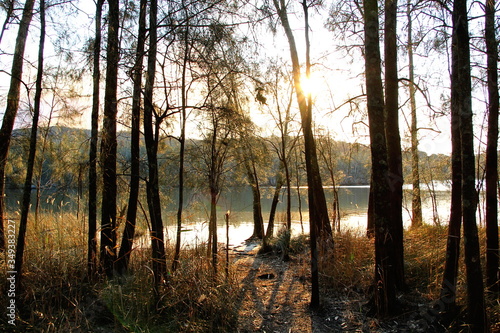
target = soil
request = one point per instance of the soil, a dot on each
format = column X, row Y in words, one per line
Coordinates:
column 274, row 296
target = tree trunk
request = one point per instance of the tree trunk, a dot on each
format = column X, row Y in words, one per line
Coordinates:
column 258, row 221
column 317, row 203
column 335, row 203
column 319, row 222
column 492, row 251
column 8, row 17
column 416, row 201
column 109, row 144
column 272, row 213
column 297, row 187
column 326, row 152
column 151, row 136
column 96, row 77
column 182, row 149
column 394, row 156
column 40, row 168
column 288, row 195
column 129, row 231
column 274, row 204
column 12, row 106
column 25, row 206
column 385, row 291
column 475, row 292
column 214, row 193
column 450, row 274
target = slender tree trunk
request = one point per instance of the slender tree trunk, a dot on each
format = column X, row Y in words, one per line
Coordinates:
column 335, row 202
column 129, row 231
column 40, row 167
column 13, row 97
column 316, row 192
column 330, row 165
column 274, row 204
column 394, row 155
column 96, row 77
column 226, row 218
column 272, row 213
column 258, row 221
column 416, row 201
column 317, row 203
column 8, row 17
column 25, row 206
column 151, row 139
column 182, row 149
column 320, row 228
column 297, row 187
column 213, row 185
column 109, row 143
column 476, row 310
column 492, row 251
column 385, row 291
column 213, row 227
column 288, row 195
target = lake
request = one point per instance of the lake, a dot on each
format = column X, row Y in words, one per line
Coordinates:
column 238, row 200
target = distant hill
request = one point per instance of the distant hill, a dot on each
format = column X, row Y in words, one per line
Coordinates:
column 65, row 159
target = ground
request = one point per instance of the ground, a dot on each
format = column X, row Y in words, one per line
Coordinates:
column 274, row 297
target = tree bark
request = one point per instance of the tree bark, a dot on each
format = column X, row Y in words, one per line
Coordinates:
column 8, row 17
column 94, row 135
column 129, row 231
column 213, row 183
column 13, row 97
column 416, row 201
column 182, row 149
column 151, row 137
column 450, row 274
column 274, row 204
column 394, row 156
column 25, row 206
column 109, row 143
column 258, row 221
column 320, row 228
column 317, row 203
column 385, row 291
column 492, row 251
column 476, row 310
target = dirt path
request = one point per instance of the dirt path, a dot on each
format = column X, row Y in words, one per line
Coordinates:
column 274, row 297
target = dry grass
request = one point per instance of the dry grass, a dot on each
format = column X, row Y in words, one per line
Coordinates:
column 425, row 253
column 57, row 296
column 191, row 300
column 349, row 267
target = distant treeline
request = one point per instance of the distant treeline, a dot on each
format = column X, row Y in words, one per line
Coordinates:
column 62, row 161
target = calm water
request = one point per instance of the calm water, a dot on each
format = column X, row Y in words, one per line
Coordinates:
column 353, row 208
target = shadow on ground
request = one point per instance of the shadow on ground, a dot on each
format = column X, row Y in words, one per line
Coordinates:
column 274, row 297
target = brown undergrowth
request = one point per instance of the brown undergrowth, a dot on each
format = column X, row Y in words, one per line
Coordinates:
column 261, row 293
column 57, row 296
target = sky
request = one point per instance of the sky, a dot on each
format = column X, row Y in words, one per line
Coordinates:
column 338, row 78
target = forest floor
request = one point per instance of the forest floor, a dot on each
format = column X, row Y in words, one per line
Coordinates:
column 274, row 296
column 262, row 293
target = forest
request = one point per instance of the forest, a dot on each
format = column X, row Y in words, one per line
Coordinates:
column 128, row 125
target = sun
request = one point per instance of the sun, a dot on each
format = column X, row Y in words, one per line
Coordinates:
column 310, row 84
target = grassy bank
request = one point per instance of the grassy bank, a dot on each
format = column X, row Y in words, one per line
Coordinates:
column 57, row 297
